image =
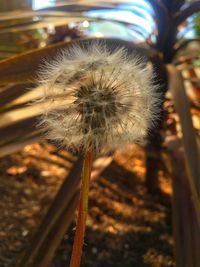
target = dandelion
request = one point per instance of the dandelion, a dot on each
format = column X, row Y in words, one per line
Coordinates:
column 93, row 98
column 98, row 98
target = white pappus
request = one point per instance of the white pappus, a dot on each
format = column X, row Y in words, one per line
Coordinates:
column 95, row 97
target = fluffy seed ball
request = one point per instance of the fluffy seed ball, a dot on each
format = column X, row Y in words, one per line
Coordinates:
column 95, row 97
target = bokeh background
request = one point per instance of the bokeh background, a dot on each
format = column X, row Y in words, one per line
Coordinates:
column 144, row 200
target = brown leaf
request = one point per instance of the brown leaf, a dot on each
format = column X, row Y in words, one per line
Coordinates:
column 24, row 68
column 18, row 129
column 12, row 92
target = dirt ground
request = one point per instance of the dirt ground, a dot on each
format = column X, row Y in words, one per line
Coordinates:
column 126, row 227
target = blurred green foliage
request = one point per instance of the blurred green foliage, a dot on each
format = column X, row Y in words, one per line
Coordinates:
column 197, row 24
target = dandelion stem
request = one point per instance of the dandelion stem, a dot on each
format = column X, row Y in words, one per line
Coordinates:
column 82, row 211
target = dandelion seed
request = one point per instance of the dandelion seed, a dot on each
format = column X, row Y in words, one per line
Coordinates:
column 98, row 98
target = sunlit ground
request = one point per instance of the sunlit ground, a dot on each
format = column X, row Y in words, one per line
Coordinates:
column 126, row 226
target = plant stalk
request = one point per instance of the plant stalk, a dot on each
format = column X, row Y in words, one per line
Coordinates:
column 82, row 211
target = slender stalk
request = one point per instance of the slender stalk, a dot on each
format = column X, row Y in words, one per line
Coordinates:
column 82, row 211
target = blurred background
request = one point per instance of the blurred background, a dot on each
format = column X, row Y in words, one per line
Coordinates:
column 144, row 200
column 32, row 24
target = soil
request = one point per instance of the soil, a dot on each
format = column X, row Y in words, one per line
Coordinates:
column 126, row 227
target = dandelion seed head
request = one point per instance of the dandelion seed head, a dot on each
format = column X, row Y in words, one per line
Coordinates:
column 95, row 97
